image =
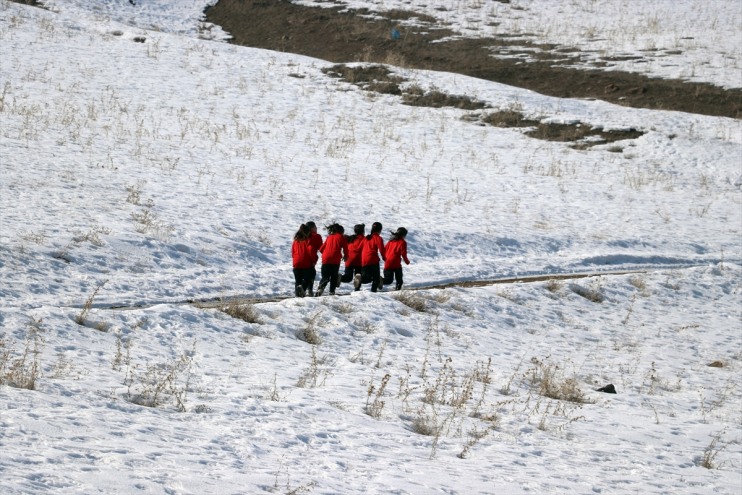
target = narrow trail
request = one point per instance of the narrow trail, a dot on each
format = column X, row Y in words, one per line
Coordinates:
column 217, row 302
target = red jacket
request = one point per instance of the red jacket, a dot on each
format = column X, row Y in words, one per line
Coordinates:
column 315, row 240
column 301, row 252
column 334, row 249
column 371, row 247
column 355, row 247
column 396, row 251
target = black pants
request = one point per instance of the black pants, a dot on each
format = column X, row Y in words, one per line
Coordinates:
column 390, row 275
column 304, row 277
column 330, row 274
column 371, row 273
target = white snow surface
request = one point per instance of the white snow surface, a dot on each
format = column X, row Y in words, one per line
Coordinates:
column 143, row 167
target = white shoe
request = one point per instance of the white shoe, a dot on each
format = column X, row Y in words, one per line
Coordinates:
column 357, row 281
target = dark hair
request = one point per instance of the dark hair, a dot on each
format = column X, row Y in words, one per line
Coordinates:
column 303, row 233
column 358, row 230
column 401, row 233
column 375, row 229
column 335, row 228
column 311, row 225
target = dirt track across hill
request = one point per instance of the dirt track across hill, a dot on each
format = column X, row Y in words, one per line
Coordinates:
column 347, row 36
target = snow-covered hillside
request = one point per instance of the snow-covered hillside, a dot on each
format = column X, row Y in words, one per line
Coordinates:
column 143, row 166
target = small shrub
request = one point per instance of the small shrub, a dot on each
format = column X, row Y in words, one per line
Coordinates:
column 93, row 236
column 320, row 368
column 475, row 435
column 81, row 318
column 653, row 382
column 344, row 308
column 553, row 285
column 411, row 301
column 639, row 283
column 711, row 452
column 425, row 424
column 593, row 295
column 310, row 332
column 551, row 382
column 22, row 371
column 365, row 326
column 374, row 402
column 160, row 384
column 245, row 312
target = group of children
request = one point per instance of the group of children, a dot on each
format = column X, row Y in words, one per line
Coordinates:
column 362, row 255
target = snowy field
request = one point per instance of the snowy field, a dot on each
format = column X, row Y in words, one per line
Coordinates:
column 143, row 166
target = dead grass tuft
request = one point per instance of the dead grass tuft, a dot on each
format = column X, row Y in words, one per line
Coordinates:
column 412, row 301
column 242, row 311
column 551, row 382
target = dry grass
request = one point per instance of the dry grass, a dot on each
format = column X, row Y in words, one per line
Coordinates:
column 591, row 294
column 412, row 301
column 158, row 384
column 711, row 452
column 22, row 370
column 310, row 333
column 242, row 311
column 550, row 381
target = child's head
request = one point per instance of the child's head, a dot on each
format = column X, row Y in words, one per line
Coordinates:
column 376, row 228
column 401, row 233
column 311, row 226
column 302, row 233
column 359, row 229
column 335, row 228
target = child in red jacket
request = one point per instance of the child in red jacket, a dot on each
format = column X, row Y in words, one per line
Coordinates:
column 334, row 249
column 303, row 260
column 396, row 251
column 373, row 249
column 355, row 247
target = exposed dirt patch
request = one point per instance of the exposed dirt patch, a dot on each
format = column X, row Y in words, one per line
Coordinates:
column 582, row 135
column 343, row 36
column 379, row 79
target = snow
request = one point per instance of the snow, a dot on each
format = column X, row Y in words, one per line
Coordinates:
column 138, row 177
